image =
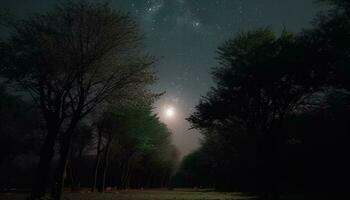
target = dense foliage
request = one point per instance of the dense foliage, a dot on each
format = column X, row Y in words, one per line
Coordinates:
column 275, row 121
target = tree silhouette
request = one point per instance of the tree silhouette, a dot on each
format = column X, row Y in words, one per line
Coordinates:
column 70, row 61
column 261, row 78
column 261, row 81
column 16, row 139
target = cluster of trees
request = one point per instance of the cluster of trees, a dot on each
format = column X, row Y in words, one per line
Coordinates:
column 277, row 119
column 74, row 99
column 140, row 148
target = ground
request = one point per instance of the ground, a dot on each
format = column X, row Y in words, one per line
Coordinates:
column 177, row 194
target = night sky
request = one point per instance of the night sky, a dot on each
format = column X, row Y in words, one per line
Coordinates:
column 184, row 34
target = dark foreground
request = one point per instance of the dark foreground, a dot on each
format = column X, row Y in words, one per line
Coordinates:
column 177, row 194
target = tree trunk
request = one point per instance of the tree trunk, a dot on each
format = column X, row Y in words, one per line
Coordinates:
column 125, row 175
column 149, row 179
column 106, row 163
column 78, row 175
column 57, row 190
column 272, row 165
column 122, row 177
column 71, row 174
column 97, row 161
column 43, row 171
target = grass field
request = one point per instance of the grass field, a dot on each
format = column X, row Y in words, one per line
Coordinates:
column 178, row 194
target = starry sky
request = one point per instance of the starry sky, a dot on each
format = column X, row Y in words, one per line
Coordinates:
column 183, row 35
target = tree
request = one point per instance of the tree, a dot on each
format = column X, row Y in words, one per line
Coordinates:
column 70, row 61
column 20, row 135
column 109, row 126
column 326, row 45
column 81, row 143
column 195, row 171
column 100, row 125
column 106, row 128
column 341, row 5
column 261, row 78
column 135, row 148
column 317, row 143
column 16, row 139
column 141, row 138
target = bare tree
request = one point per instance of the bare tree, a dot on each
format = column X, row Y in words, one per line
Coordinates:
column 70, row 61
column 99, row 150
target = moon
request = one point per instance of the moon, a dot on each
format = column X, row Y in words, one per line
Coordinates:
column 170, row 112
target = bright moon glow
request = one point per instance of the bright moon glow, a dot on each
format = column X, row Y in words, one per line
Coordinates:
column 170, row 112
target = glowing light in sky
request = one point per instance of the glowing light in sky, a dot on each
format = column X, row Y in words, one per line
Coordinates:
column 170, row 112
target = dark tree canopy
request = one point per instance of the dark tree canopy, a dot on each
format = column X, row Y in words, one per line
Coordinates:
column 259, row 80
column 260, row 119
column 19, row 132
column 70, row 61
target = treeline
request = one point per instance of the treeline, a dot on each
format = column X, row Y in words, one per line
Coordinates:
column 120, row 148
column 75, row 109
column 277, row 120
